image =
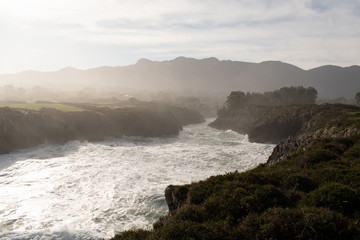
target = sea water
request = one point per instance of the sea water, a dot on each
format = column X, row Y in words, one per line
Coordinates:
column 84, row 190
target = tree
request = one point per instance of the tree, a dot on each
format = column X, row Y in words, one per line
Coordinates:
column 236, row 99
column 311, row 95
column 280, row 97
column 357, row 98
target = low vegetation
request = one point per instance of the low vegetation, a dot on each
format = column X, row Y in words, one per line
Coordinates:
column 313, row 194
column 32, row 124
column 264, row 122
column 280, row 97
column 37, row 106
column 269, row 116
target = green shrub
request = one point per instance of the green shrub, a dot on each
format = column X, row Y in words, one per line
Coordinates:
column 335, row 148
column 353, row 153
column 138, row 234
column 249, row 228
column 335, row 196
column 226, row 205
column 313, row 157
column 192, row 213
column 203, row 189
column 264, row 197
column 161, row 222
column 322, row 223
column 280, row 223
column 179, row 230
column 256, row 177
column 298, row 182
column 306, row 223
column 346, row 176
column 313, row 194
column 215, row 207
column 198, row 192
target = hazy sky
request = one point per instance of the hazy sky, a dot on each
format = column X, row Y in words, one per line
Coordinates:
column 48, row 35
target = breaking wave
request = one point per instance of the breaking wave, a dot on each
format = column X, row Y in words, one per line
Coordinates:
column 84, row 190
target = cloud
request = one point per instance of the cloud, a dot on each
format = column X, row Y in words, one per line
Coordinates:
column 319, row 5
column 306, row 32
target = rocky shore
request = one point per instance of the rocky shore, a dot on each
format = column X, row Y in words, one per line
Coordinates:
column 331, row 121
column 21, row 128
column 267, row 124
column 308, row 189
column 310, row 123
column 291, row 127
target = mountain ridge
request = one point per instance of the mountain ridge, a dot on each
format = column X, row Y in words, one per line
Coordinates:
column 206, row 75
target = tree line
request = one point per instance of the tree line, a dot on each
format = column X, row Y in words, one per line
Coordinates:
column 282, row 96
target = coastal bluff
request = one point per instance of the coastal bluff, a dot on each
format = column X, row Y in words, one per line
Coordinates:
column 291, row 127
column 308, row 189
column 24, row 128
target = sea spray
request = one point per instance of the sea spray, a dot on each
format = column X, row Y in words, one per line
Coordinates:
column 84, row 190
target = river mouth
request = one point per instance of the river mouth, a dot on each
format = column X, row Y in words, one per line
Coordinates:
column 84, row 190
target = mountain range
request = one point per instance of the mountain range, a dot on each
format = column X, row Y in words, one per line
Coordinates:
column 208, row 75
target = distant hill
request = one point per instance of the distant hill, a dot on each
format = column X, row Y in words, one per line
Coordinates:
column 206, row 75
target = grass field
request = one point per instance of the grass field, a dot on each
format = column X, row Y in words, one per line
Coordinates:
column 39, row 106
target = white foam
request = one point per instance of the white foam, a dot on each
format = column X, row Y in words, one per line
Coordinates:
column 93, row 190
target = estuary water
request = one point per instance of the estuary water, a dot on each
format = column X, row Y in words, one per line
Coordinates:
column 84, row 190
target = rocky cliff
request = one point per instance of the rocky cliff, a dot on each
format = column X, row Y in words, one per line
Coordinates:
column 329, row 121
column 312, row 193
column 21, row 128
column 291, row 127
column 266, row 123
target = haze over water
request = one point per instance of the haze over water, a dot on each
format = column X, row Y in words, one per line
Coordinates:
column 84, row 190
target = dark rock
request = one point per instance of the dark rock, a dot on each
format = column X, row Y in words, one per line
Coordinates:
column 176, row 197
column 25, row 128
column 186, row 116
column 266, row 124
column 274, row 131
column 286, row 147
column 290, row 127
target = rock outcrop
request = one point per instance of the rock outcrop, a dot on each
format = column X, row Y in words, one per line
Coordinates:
column 290, row 127
column 331, row 121
column 314, row 192
column 266, row 124
column 186, row 116
column 26, row 128
column 286, row 147
column 176, row 197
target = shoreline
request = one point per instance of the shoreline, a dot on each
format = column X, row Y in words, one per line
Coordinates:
column 285, row 193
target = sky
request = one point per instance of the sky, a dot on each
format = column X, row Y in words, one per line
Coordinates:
column 49, row 35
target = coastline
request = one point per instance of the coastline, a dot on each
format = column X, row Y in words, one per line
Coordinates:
column 283, row 198
column 24, row 128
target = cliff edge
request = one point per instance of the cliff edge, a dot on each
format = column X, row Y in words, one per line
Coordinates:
column 308, row 189
column 23, row 128
column 312, row 193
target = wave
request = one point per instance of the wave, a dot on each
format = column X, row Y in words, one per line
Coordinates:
column 94, row 189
